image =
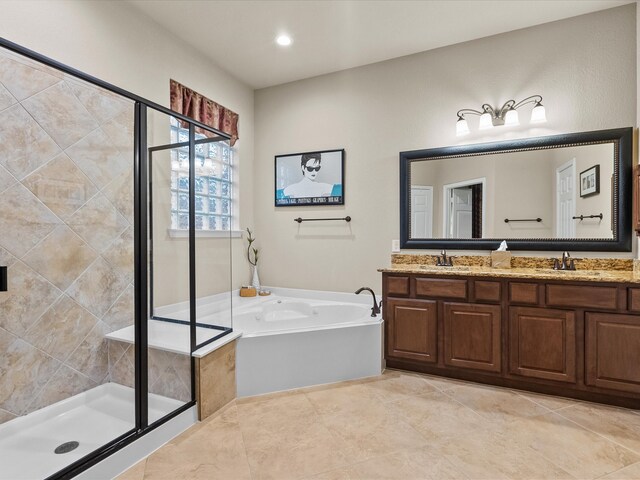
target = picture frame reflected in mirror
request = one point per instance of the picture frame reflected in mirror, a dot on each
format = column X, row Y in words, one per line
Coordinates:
column 590, row 181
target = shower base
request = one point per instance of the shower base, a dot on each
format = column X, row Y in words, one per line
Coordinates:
column 92, row 419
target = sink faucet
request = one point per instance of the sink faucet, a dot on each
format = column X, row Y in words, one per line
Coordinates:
column 566, row 263
column 376, row 308
column 443, row 261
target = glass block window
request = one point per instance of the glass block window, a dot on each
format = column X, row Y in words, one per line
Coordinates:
column 213, row 184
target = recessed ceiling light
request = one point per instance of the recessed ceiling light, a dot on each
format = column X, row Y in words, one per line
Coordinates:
column 283, row 40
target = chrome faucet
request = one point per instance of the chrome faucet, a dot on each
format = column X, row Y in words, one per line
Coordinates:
column 375, row 310
column 566, row 263
column 443, row 261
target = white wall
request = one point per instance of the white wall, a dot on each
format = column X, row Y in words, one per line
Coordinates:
column 115, row 43
column 584, row 67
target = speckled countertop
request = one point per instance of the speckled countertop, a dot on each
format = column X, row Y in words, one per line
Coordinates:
column 538, row 268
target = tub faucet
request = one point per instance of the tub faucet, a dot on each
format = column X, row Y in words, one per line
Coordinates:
column 376, row 308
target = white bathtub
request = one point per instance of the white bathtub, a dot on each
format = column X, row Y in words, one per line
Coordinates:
column 299, row 338
column 289, row 339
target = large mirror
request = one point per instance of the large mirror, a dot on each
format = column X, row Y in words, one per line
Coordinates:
column 563, row 192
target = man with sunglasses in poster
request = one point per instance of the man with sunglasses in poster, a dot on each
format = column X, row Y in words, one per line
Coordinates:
column 310, row 164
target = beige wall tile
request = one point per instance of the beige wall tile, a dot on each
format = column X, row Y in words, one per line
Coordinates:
column 121, row 314
column 6, row 99
column 60, row 114
column 24, row 145
column 6, row 179
column 61, row 329
column 6, row 416
column 116, row 350
column 120, row 194
column 24, row 371
column 65, row 383
column 28, row 297
column 98, row 287
column 25, row 220
column 91, row 357
column 101, row 104
column 170, row 385
column 123, row 371
column 120, row 132
column 6, row 259
column 98, row 158
column 61, row 186
column 98, row 223
column 120, row 254
column 61, row 257
column 22, row 80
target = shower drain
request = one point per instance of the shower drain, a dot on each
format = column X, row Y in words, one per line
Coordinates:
column 66, row 447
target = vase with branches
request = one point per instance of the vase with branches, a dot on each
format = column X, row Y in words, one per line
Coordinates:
column 252, row 257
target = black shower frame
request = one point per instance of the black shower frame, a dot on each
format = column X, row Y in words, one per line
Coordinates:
column 192, row 222
column 140, row 161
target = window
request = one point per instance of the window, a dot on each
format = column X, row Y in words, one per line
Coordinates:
column 214, row 189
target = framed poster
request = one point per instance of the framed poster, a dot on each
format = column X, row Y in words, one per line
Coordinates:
column 590, row 181
column 310, row 178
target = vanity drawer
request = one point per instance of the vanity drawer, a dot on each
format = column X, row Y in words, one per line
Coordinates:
column 487, row 291
column 523, row 293
column 441, row 287
column 398, row 286
column 582, row 296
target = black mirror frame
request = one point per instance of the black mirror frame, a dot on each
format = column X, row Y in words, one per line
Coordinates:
column 621, row 242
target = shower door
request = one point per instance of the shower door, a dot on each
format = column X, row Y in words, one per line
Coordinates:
column 67, row 237
column 84, row 370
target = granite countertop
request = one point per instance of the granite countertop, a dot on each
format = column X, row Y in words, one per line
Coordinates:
column 617, row 276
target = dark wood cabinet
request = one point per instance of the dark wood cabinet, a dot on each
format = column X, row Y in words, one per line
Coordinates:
column 472, row 336
column 571, row 338
column 412, row 329
column 612, row 354
column 542, row 343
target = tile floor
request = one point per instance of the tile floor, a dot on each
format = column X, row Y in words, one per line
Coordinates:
column 403, row 426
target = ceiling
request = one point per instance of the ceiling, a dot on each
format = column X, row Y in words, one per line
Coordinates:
column 335, row 35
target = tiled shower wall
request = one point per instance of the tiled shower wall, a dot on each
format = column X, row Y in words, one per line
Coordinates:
column 66, row 216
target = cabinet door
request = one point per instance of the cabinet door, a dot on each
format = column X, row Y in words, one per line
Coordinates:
column 412, row 329
column 472, row 336
column 612, row 351
column 542, row 343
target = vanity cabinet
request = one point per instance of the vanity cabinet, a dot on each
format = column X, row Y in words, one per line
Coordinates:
column 571, row 338
column 542, row 343
column 412, row 329
column 612, row 352
column 472, row 336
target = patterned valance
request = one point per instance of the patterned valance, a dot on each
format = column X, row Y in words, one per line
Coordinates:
column 192, row 104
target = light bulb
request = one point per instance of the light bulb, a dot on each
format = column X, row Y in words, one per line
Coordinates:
column 485, row 121
column 462, row 127
column 538, row 114
column 511, row 118
column 283, row 40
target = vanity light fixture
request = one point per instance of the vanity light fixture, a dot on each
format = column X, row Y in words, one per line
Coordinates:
column 506, row 115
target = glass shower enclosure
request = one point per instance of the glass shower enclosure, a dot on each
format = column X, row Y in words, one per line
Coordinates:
column 111, row 285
